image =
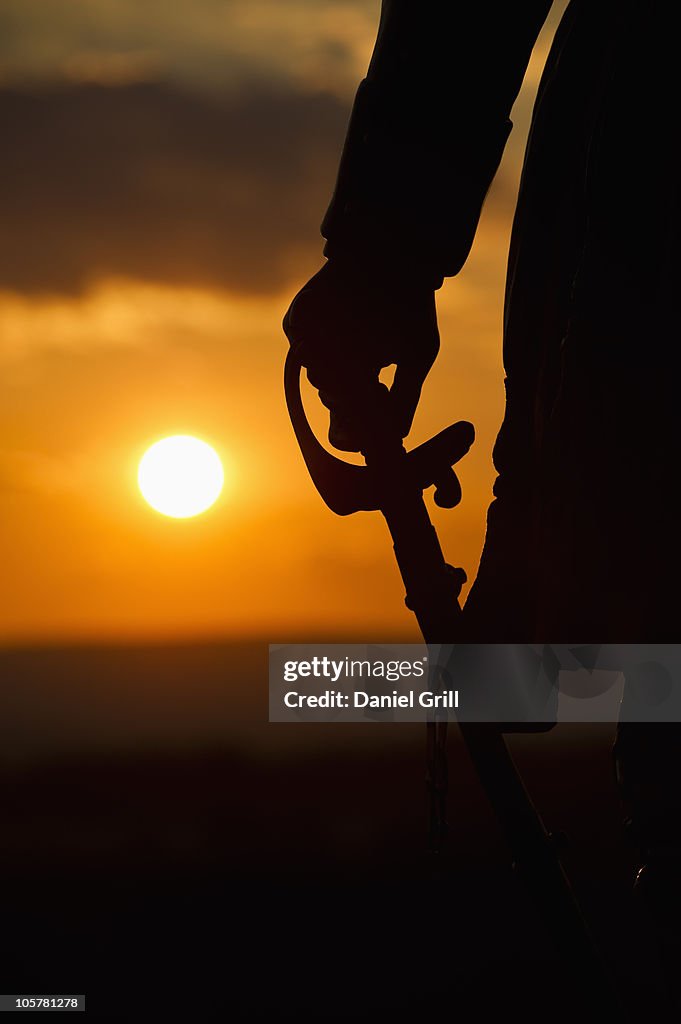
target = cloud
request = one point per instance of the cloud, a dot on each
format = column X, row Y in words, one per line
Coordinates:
column 123, row 315
column 152, row 182
column 119, row 163
column 206, row 44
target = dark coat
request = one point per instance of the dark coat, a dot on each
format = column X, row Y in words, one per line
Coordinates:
column 582, row 535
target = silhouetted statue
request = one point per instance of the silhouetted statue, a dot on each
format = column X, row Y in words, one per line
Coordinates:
column 582, row 537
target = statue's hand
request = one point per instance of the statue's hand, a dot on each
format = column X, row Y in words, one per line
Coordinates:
column 345, row 326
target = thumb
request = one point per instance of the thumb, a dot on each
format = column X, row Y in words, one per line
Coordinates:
column 405, row 393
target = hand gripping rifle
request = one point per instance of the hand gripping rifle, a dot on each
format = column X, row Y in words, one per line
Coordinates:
column 392, row 482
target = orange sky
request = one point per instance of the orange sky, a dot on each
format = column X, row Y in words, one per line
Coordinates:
column 166, row 174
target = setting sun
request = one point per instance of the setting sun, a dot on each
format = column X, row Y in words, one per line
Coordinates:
column 180, row 476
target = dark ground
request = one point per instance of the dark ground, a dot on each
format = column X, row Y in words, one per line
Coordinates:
column 164, row 849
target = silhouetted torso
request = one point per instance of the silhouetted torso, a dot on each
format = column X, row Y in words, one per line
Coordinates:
column 584, row 529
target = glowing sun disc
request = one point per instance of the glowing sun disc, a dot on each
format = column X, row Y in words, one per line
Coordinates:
column 180, row 476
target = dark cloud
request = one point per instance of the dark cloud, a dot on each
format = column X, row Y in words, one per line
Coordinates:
column 212, row 44
column 155, row 183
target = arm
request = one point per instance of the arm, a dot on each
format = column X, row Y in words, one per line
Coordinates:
column 427, row 132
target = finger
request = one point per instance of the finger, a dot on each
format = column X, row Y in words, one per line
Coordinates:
column 287, row 323
column 357, row 406
column 342, row 434
column 298, row 327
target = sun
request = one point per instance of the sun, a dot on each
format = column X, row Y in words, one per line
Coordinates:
column 180, row 476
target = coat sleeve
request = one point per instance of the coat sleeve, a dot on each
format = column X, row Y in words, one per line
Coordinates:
column 427, row 132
